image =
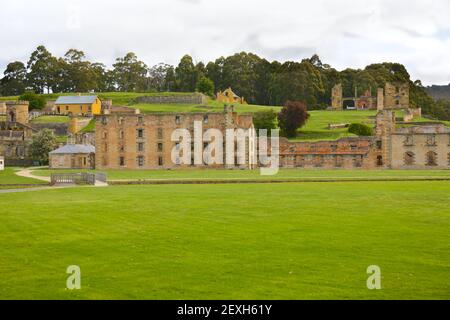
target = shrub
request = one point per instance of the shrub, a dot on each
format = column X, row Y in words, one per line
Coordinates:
column 360, row 129
column 36, row 101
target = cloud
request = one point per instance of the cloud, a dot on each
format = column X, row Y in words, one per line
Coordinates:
column 344, row 33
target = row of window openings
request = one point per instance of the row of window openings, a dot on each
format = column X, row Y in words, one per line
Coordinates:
column 319, row 161
column 81, row 108
column 431, row 140
column 140, row 160
column 139, row 134
column 140, row 120
column 430, row 158
column 140, row 146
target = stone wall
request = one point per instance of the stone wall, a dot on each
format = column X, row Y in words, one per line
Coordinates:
column 194, row 98
column 60, row 129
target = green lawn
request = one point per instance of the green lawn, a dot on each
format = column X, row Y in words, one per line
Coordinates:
column 8, row 176
column 255, row 174
column 281, row 241
column 51, row 119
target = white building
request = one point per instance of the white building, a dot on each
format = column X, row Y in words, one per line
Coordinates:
column 2, row 163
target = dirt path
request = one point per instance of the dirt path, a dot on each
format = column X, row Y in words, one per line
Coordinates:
column 27, row 173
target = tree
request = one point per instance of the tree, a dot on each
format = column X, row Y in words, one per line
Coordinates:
column 36, row 101
column 265, row 120
column 292, row 116
column 42, row 67
column 360, row 129
column 130, row 73
column 206, row 86
column 41, row 144
column 186, row 75
column 14, row 81
column 79, row 74
column 158, row 75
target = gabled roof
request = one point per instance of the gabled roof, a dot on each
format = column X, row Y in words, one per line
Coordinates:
column 74, row 148
column 75, row 99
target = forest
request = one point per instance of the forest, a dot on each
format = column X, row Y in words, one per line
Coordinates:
column 255, row 78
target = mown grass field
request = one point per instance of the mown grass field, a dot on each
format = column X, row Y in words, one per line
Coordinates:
column 287, row 174
column 254, row 241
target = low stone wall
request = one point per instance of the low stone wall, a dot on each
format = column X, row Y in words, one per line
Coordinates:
column 297, row 180
column 60, row 129
column 194, row 98
column 14, row 162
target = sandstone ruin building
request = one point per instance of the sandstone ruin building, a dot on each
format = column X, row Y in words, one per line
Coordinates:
column 15, row 134
column 143, row 141
column 392, row 96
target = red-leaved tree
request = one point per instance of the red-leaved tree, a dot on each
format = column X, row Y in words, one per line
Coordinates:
column 292, row 116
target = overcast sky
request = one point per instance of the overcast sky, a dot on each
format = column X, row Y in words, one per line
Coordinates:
column 344, row 33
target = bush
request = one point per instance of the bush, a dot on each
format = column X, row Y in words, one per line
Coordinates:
column 36, row 101
column 360, row 129
column 265, row 120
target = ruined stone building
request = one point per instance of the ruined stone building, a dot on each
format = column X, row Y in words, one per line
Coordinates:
column 143, row 141
column 411, row 147
column 392, row 96
column 15, row 133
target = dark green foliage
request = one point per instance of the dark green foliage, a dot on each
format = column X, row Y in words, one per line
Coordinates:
column 292, row 116
column 14, row 81
column 36, row 101
column 360, row 129
column 206, row 86
column 265, row 120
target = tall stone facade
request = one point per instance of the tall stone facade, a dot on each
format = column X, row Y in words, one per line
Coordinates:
column 15, row 133
column 420, row 147
column 131, row 141
column 396, row 96
column 336, row 97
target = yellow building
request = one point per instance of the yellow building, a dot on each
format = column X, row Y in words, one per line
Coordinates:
column 78, row 105
column 228, row 96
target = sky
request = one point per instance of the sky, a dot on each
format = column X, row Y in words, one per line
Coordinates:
column 345, row 34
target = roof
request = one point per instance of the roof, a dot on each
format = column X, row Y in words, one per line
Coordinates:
column 74, row 148
column 75, row 99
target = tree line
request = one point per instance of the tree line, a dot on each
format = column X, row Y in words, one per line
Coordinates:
column 258, row 80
